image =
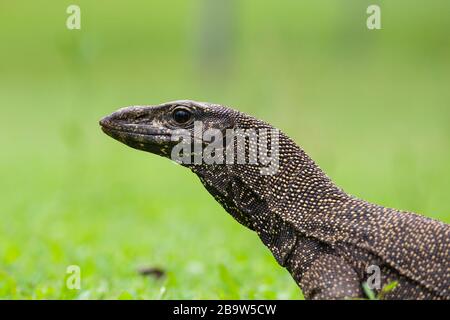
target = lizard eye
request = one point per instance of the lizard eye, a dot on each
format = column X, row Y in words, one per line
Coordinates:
column 181, row 115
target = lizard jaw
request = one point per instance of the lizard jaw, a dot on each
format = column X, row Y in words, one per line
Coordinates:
column 136, row 135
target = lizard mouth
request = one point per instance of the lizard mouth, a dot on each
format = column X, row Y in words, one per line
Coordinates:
column 139, row 136
column 138, row 129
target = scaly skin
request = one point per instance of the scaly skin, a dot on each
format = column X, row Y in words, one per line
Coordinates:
column 325, row 238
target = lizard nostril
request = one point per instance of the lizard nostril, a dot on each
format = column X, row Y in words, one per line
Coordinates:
column 104, row 121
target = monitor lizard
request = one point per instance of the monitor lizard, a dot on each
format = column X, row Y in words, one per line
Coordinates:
column 326, row 238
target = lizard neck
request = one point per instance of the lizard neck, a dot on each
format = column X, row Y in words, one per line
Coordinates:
column 268, row 204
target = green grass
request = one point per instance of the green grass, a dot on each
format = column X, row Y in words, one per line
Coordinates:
column 371, row 108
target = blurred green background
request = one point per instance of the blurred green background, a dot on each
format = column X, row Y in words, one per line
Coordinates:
column 371, row 107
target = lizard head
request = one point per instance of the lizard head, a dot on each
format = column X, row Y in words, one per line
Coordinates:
column 157, row 129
